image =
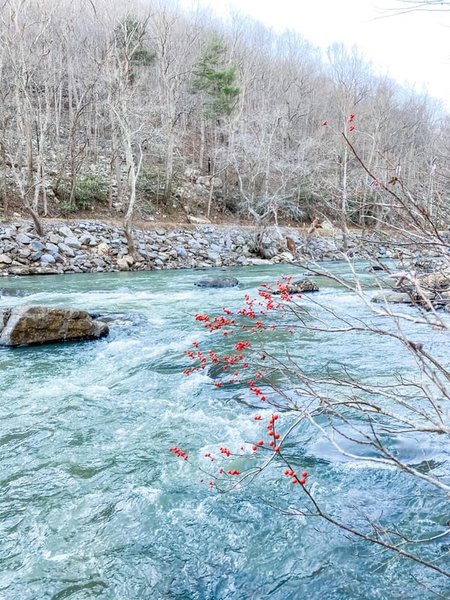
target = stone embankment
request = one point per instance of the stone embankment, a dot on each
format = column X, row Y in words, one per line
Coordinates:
column 90, row 246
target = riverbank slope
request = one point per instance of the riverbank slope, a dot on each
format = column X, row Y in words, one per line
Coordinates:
column 94, row 246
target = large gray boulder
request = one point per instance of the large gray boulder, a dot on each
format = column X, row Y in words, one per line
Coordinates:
column 28, row 325
column 217, row 282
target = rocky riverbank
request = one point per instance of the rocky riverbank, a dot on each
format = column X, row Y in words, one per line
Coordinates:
column 91, row 246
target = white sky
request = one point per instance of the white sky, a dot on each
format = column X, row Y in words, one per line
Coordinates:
column 412, row 48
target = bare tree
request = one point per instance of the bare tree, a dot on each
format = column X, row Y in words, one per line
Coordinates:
column 128, row 56
column 362, row 418
column 74, row 79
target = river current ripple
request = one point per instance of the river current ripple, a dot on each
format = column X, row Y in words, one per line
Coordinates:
column 92, row 504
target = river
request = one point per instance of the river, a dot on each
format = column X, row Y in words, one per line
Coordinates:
column 93, row 505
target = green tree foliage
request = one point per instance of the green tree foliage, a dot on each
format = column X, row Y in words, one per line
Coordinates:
column 217, row 80
column 83, row 194
column 129, row 37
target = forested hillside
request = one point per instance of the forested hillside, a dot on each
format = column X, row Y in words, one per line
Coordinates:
column 134, row 108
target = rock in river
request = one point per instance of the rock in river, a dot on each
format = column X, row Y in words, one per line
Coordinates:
column 300, row 286
column 217, row 282
column 392, row 296
column 26, row 325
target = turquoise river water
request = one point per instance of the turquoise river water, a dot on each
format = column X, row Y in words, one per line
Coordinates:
column 93, row 505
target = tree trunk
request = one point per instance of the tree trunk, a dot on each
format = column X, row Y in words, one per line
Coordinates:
column 201, row 158
column 37, row 222
column 133, row 172
column 169, row 164
column 128, row 220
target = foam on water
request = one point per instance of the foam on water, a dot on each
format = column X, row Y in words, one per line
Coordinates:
column 91, row 494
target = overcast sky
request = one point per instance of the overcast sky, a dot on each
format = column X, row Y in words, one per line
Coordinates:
column 412, row 48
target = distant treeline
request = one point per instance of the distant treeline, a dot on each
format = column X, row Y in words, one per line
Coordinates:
column 112, row 101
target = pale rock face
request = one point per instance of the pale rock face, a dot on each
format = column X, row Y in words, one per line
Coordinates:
column 53, row 238
column 23, row 238
column 72, row 242
column 67, row 250
column 5, row 259
column 123, row 264
column 198, row 220
column 216, row 182
column 287, row 256
column 103, row 248
column 66, row 231
column 27, row 325
column 48, row 259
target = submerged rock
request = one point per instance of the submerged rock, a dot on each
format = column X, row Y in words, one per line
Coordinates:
column 121, row 319
column 27, row 325
column 393, row 297
column 12, row 292
column 217, row 282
